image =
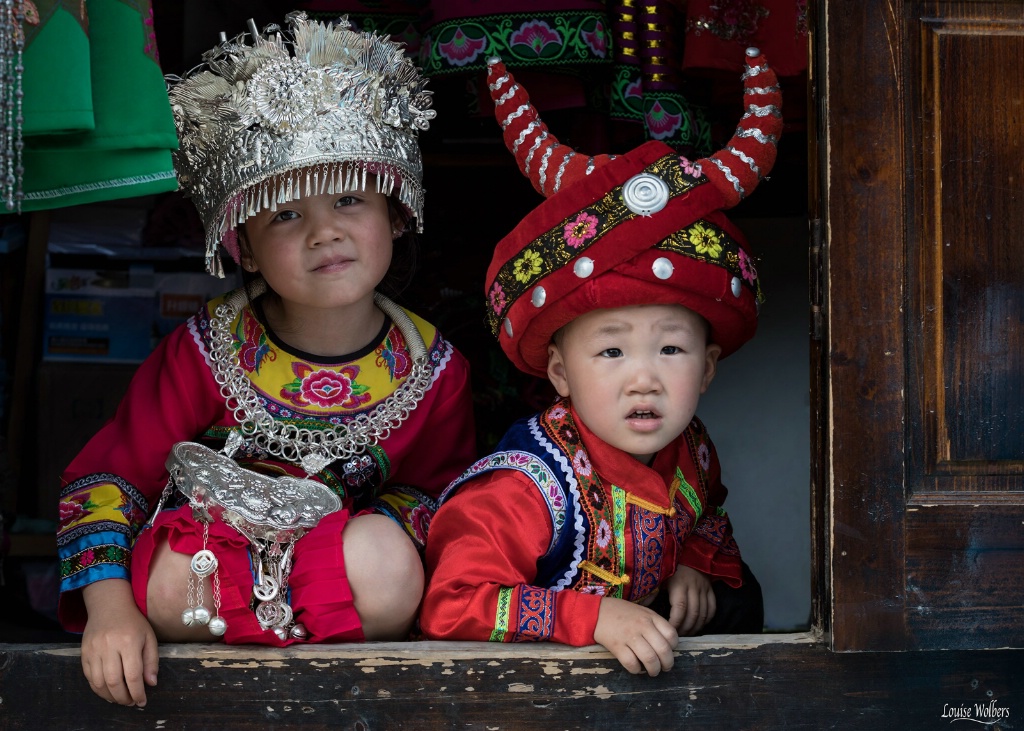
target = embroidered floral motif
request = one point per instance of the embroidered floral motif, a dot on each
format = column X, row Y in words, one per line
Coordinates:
column 601, row 513
column 705, row 239
column 597, row 39
column 690, row 168
column 497, row 297
column 393, row 355
column 528, row 265
column 704, row 456
column 460, row 49
column 604, row 534
column 661, row 122
column 536, row 35
column 581, row 463
column 553, row 250
column 747, row 267
column 536, row 39
column 251, row 344
column 325, row 388
column 579, row 230
column 75, row 509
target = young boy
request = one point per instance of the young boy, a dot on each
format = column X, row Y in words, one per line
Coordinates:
column 625, row 288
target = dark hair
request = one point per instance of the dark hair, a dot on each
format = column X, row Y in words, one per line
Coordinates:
column 404, row 253
column 403, row 256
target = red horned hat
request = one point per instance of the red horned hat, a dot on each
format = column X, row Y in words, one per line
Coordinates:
column 646, row 227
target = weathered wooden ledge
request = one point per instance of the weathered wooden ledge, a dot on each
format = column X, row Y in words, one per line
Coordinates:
column 770, row 681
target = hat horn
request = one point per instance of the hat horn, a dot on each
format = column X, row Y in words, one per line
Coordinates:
column 548, row 163
column 737, row 168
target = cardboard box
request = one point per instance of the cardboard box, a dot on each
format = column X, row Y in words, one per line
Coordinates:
column 101, row 316
column 118, row 316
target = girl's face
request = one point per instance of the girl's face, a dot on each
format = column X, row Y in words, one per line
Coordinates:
column 634, row 374
column 322, row 251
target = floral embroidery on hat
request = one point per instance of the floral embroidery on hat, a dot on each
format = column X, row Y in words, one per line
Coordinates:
column 497, row 297
column 690, row 168
column 705, row 239
column 747, row 267
column 528, row 265
column 581, row 228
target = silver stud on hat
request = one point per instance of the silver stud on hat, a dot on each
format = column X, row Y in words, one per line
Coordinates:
column 662, row 268
column 645, row 194
column 737, row 286
column 508, row 327
column 538, row 297
column 583, row 267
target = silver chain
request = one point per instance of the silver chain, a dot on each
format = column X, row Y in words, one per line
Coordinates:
column 313, row 449
column 12, row 69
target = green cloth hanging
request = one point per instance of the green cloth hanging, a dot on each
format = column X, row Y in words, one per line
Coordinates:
column 100, row 135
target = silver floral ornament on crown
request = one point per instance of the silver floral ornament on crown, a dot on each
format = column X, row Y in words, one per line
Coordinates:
column 288, row 94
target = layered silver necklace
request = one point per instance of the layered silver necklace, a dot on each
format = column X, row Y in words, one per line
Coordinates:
column 273, row 513
column 313, row 449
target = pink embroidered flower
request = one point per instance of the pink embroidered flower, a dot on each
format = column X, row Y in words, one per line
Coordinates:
column 497, row 298
column 88, row 557
column 536, row 36
column 71, row 511
column 557, row 413
column 326, row 388
column 690, row 168
column 581, row 464
column 604, row 534
column 661, row 122
column 596, row 39
column 460, row 49
column 634, row 90
column 598, row 590
column 580, row 229
column 419, row 519
column 747, row 267
column 704, row 456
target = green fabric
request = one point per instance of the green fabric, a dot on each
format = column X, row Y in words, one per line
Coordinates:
column 57, row 84
column 128, row 151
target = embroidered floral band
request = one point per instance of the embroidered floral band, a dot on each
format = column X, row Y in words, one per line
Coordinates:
column 537, row 39
column 706, row 242
column 701, row 240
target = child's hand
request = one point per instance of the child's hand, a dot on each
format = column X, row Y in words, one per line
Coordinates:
column 638, row 637
column 692, row 600
column 119, row 649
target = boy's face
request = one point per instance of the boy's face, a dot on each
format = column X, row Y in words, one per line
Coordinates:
column 635, row 374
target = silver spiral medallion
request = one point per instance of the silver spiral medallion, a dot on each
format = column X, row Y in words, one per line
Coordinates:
column 645, row 194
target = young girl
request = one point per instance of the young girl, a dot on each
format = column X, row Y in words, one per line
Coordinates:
column 262, row 478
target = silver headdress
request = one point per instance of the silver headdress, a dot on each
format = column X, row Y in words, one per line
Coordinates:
column 263, row 124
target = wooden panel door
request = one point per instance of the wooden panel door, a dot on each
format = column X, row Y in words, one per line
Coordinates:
column 923, row 184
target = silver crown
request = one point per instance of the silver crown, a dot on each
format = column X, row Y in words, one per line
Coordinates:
column 264, row 124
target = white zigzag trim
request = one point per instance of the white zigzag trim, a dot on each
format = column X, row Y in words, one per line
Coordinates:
column 574, row 489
